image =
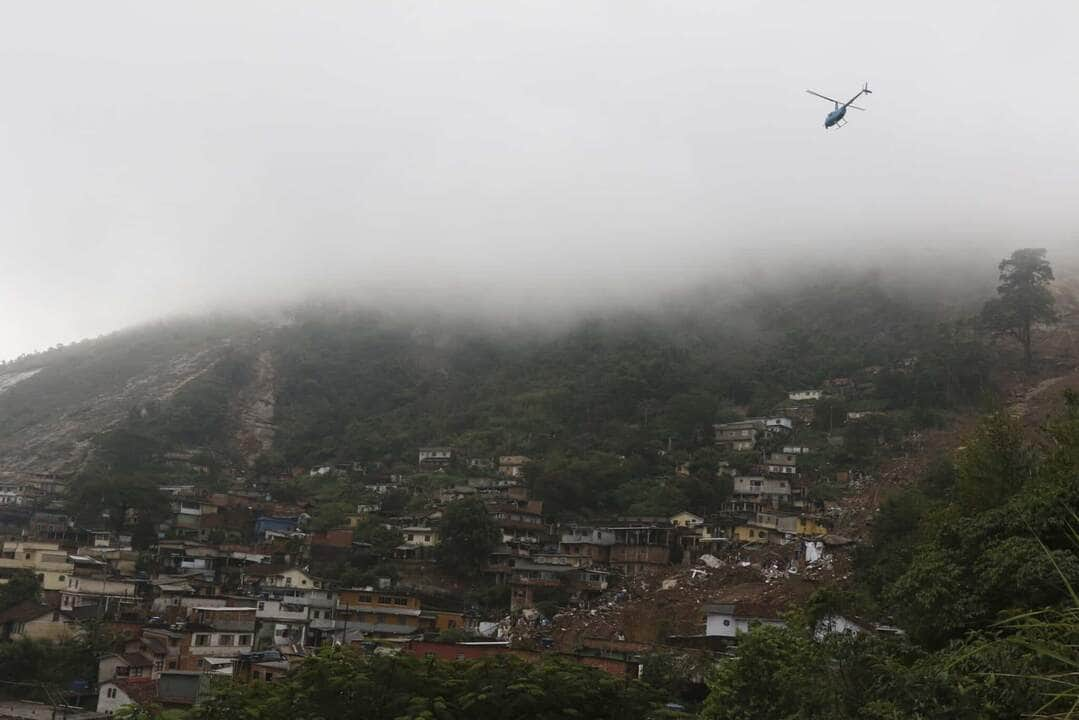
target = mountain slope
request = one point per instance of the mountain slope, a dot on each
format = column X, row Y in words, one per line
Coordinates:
column 338, row 383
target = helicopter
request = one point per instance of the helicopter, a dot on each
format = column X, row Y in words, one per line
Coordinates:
column 835, row 118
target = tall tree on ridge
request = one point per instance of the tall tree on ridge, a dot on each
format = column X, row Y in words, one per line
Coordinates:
column 1025, row 300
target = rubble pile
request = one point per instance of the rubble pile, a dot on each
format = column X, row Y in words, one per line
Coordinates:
column 649, row 609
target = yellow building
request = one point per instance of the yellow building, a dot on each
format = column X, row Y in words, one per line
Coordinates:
column 46, row 560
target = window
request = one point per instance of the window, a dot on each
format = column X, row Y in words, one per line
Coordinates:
column 243, row 639
column 202, row 640
column 136, row 671
column 61, row 578
column 411, row 537
column 225, row 640
column 158, row 666
column 316, row 614
column 262, row 606
column 122, row 671
column 269, row 676
column 172, row 664
column 111, row 693
column 726, row 623
column 427, row 538
column 400, row 601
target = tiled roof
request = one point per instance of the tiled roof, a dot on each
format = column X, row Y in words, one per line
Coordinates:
column 137, row 659
column 141, row 690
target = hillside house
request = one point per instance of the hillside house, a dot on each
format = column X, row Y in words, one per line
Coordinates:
column 639, row 547
column 686, row 519
column 51, row 526
column 217, row 632
column 46, row 560
column 128, row 665
column 766, row 490
column 778, row 528
column 419, row 543
column 99, row 589
column 781, row 464
column 435, row 457
column 13, row 493
column 362, row 611
column 728, row 620
column 36, row 621
column 518, row 521
column 804, row 395
column 512, row 465
column 739, row 436
column 593, row 543
column 119, row 693
column 779, row 425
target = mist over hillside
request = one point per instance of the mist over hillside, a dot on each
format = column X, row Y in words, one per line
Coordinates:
column 338, row 380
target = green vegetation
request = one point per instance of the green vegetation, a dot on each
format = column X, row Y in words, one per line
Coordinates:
column 21, row 585
column 126, row 501
column 469, row 534
column 964, row 548
column 342, row 683
column 1024, row 299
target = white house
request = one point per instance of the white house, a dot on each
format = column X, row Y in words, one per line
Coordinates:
column 686, row 519
column 118, row 693
column 804, row 394
column 419, row 535
column 88, row 590
column 435, row 456
column 750, row 485
column 730, row 620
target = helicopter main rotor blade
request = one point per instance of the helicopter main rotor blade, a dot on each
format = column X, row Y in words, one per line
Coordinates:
column 856, row 107
column 823, row 97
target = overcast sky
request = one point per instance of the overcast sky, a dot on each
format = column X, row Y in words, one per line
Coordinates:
column 160, row 157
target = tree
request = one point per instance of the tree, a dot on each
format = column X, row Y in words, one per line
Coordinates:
column 1025, row 300
column 344, row 684
column 994, row 464
column 21, row 585
column 468, row 537
column 121, row 497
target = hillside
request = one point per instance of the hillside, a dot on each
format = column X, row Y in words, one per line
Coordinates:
column 336, row 383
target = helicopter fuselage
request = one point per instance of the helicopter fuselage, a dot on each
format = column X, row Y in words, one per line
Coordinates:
column 835, row 116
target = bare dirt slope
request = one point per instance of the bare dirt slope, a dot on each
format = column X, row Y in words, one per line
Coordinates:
column 253, row 410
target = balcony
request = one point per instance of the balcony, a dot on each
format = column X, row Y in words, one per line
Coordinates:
column 536, row 582
column 278, row 611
